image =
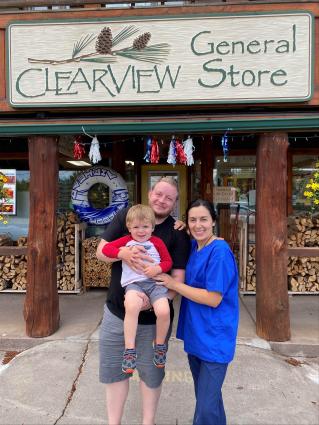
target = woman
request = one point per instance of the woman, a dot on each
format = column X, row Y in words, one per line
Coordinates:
column 208, row 317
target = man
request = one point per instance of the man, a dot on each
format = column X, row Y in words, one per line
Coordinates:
column 162, row 199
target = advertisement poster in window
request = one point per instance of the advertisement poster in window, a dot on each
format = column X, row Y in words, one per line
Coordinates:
column 8, row 204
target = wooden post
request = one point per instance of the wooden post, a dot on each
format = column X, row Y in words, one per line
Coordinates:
column 118, row 158
column 41, row 308
column 272, row 305
column 207, row 165
column 289, row 183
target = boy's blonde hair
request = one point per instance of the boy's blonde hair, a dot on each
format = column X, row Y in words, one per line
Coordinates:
column 141, row 213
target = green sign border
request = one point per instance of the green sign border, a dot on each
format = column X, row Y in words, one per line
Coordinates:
column 186, row 125
column 161, row 103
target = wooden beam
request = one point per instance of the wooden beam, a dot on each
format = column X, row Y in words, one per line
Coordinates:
column 272, row 305
column 14, row 155
column 302, row 251
column 6, row 4
column 41, row 308
column 13, row 250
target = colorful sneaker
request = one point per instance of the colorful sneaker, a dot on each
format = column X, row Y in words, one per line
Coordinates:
column 159, row 358
column 129, row 361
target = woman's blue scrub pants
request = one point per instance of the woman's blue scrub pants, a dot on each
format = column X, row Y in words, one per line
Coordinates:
column 208, row 380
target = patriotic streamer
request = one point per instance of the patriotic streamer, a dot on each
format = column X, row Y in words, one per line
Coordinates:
column 154, row 152
column 171, row 159
column 147, row 156
column 189, row 149
column 180, row 154
column 78, row 148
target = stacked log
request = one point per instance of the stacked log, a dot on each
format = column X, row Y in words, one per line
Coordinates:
column 13, row 268
column 5, row 240
column 95, row 273
column 66, row 251
column 251, row 269
column 303, row 272
column 20, row 279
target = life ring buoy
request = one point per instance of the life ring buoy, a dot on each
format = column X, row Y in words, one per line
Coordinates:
column 80, row 191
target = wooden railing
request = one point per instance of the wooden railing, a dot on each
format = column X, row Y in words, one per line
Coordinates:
column 13, row 250
column 301, row 251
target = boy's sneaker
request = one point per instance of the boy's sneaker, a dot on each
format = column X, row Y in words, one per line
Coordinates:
column 159, row 358
column 129, row 361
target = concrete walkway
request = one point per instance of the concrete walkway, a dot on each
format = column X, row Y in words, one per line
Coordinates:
column 54, row 380
column 81, row 314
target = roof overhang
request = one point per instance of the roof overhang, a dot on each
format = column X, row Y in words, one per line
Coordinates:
column 153, row 125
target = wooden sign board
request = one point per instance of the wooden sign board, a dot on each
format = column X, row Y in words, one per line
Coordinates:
column 224, row 58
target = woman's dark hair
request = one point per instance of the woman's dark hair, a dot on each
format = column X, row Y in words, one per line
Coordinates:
column 202, row 203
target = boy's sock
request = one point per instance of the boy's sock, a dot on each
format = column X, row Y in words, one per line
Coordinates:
column 129, row 360
column 159, row 358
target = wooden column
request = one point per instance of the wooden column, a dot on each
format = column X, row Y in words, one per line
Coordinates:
column 118, row 158
column 272, row 305
column 41, row 308
column 207, row 165
column 289, row 183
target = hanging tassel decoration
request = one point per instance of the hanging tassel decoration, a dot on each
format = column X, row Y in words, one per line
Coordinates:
column 171, row 159
column 225, row 146
column 94, row 153
column 78, row 148
column 189, row 149
column 180, row 154
column 154, row 152
column 147, row 156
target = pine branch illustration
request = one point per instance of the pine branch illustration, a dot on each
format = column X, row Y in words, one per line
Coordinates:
column 124, row 34
column 104, row 43
column 155, row 53
column 82, row 43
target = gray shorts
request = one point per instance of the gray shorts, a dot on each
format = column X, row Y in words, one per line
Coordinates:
column 111, row 345
column 150, row 288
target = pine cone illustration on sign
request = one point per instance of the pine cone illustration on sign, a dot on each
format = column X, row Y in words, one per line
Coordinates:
column 141, row 42
column 103, row 43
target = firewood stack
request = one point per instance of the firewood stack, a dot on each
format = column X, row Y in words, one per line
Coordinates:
column 5, row 240
column 303, row 272
column 13, row 267
column 66, row 251
column 251, row 269
column 95, row 273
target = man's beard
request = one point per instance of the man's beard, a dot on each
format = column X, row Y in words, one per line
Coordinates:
column 163, row 215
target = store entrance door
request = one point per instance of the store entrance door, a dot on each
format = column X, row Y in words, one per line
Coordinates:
column 151, row 173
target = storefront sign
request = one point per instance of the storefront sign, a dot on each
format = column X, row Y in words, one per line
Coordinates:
column 154, row 60
column 8, row 206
